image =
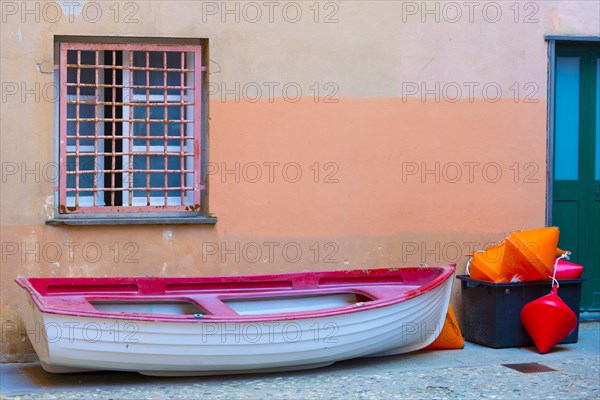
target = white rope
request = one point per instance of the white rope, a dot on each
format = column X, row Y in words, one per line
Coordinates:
column 564, row 255
column 467, row 269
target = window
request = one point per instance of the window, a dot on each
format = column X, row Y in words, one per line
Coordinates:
column 130, row 129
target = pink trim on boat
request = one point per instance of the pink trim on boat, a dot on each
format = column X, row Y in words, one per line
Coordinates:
column 72, row 296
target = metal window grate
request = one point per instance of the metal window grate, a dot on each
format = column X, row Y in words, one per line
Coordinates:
column 130, row 128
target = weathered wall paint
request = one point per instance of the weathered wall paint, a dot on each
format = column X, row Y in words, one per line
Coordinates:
column 387, row 90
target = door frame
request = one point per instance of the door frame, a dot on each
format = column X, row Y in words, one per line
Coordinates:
column 552, row 39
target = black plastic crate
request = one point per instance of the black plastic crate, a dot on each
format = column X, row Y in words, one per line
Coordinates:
column 492, row 311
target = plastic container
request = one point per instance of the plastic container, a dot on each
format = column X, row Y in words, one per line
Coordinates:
column 491, row 311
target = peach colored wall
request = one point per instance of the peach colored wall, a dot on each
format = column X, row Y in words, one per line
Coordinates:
column 393, row 103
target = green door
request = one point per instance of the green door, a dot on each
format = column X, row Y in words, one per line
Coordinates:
column 576, row 175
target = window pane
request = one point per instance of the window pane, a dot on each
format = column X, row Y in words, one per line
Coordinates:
column 86, row 128
column 86, row 180
column 174, row 179
column 86, row 75
column 70, row 167
column 71, row 125
column 157, row 78
column 157, row 178
column 566, row 144
column 157, row 125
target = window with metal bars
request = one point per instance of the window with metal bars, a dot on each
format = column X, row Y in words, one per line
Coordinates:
column 130, row 128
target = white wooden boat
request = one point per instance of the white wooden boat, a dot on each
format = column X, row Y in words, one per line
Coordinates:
column 224, row 325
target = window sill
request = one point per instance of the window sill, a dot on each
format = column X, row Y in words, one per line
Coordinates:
column 121, row 220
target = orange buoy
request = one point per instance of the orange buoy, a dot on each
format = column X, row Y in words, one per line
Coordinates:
column 530, row 255
column 450, row 337
column 548, row 320
column 486, row 265
column 522, row 256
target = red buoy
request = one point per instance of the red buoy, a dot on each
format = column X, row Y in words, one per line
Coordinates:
column 568, row 270
column 548, row 320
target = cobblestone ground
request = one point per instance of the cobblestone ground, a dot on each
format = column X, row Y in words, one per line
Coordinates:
column 472, row 373
column 574, row 379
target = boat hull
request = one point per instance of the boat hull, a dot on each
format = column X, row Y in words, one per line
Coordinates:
column 67, row 343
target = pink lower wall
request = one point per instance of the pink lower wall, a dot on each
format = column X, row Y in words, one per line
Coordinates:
column 401, row 166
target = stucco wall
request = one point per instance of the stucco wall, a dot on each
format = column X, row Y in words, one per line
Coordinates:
column 419, row 132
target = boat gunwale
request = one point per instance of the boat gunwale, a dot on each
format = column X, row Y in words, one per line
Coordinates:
column 446, row 272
